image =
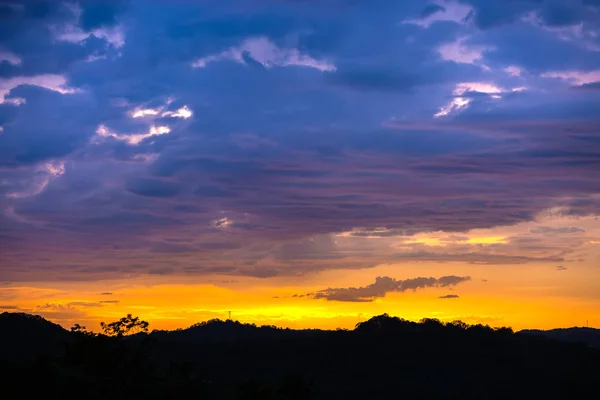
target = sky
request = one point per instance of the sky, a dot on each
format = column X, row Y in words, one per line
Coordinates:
column 306, row 164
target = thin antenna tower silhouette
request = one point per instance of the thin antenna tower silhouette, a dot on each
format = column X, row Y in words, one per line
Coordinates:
column 229, row 315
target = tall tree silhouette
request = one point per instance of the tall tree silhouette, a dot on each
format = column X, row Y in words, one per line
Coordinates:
column 125, row 326
column 81, row 329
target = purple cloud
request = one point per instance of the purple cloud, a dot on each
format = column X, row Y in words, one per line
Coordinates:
column 384, row 285
column 241, row 141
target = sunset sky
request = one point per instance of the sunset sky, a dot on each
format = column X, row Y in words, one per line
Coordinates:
column 301, row 163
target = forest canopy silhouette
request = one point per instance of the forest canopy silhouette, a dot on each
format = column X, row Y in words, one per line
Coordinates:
column 383, row 357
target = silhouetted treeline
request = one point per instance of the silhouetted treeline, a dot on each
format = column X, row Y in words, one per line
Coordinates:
column 382, row 358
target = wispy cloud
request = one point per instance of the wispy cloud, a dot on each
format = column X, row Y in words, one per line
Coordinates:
column 449, row 296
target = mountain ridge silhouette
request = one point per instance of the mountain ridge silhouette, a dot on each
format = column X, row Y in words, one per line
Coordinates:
column 381, row 358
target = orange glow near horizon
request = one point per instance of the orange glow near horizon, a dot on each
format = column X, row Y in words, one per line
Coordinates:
column 520, row 293
column 488, row 298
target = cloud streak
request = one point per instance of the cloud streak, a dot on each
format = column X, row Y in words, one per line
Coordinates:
column 384, row 285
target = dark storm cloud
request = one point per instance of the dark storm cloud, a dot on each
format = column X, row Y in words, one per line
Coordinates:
column 299, row 122
column 384, row 285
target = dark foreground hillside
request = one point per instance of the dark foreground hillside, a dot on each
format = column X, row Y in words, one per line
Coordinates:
column 383, row 358
column 589, row 336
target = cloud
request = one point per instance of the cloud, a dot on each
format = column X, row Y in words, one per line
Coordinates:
column 442, row 11
column 183, row 112
column 63, row 312
column 462, row 53
column 556, row 229
column 113, row 35
column 57, row 83
column 10, row 57
column 131, row 138
column 266, row 53
column 93, row 19
column 513, row 70
column 384, row 285
column 575, row 77
column 561, row 268
column 302, row 142
column 465, row 92
column 449, row 296
column 46, row 173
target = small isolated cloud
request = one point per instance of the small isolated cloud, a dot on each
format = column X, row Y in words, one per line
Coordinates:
column 222, row 222
column 130, row 138
column 106, row 293
column 384, row 285
column 109, row 301
column 455, row 104
column 462, row 53
column 561, row 268
column 184, row 112
column 442, row 11
column 266, row 53
column 449, row 296
column 513, row 70
column 144, row 112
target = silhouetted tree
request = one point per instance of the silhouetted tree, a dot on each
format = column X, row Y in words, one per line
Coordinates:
column 81, row 329
column 125, row 326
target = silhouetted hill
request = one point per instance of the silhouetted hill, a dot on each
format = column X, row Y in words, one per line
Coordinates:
column 589, row 336
column 23, row 336
column 218, row 331
column 382, row 358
